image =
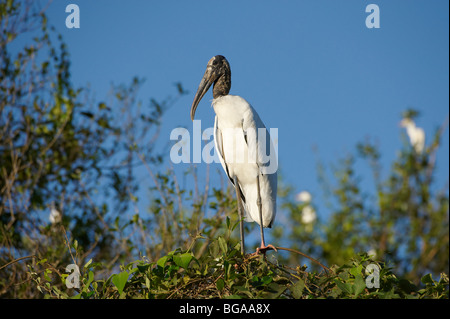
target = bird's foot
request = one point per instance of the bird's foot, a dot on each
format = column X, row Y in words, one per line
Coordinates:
column 263, row 249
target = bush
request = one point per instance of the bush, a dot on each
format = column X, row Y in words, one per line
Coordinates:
column 225, row 273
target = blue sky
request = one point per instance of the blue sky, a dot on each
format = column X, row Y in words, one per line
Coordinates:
column 310, row 68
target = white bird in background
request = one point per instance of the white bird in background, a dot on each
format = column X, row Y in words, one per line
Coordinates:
column 308, row 212
column 416, row 134
column 54, row 216
column 304, row 196
column 244, row 148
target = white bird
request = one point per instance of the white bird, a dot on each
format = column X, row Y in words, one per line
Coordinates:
column 244, row 148
column 308, row 214
column 416, row 134
column 54, row 216
column 304, row 196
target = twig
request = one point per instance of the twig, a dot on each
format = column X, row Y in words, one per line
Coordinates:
column 305, row 255
column 300, row 253
column 16, row 260
column 68, row 246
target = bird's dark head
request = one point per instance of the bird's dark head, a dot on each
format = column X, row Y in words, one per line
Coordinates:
column 218, row 72
column 218, row 66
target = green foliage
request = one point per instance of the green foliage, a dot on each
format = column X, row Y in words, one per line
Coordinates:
column 225, row 273
column 400, row 216
column 59, row 147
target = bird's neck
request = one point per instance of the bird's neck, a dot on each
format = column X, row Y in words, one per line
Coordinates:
column 222, row 85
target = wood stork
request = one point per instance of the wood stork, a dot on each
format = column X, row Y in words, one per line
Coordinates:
column 244, row 148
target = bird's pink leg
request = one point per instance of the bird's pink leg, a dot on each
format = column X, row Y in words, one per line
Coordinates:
column 263, row 248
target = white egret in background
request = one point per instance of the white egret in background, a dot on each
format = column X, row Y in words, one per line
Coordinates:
column 308, row 212
column 304, row 196
column 244, row 148
column 416, row 134
column 54, row 216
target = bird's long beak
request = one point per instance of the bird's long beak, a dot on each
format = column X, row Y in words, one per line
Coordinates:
column 205, row 84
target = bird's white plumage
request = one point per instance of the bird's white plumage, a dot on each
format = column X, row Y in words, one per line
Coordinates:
column 244, row 152
column 416, row 134
column 54, row 216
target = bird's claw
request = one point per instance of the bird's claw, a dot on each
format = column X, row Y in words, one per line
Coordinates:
column 264, row 249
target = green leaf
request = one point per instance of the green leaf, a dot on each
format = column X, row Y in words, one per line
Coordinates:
column 276, row 289
column 46, row 276
column 119, row 280
column 359, row 285
column 90, row 278
column 143, row 268
column 266, row 280
column 42, row 261
column 355, row 271
column 223, row 245
column 88, row 263
column 220, row 284
column 183, row 260
column 347, row 288
column 162, row 261
column 214, row 249
column 427, row 279
column 297, row 288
